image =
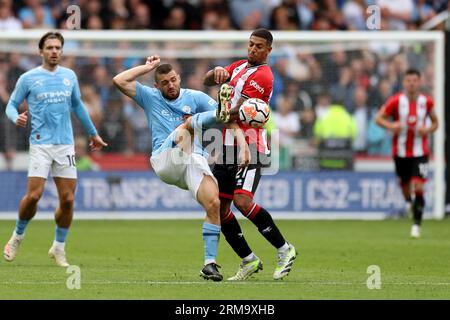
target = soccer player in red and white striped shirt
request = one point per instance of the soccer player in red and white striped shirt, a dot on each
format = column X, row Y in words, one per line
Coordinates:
column 250, row 78
column 409, row 112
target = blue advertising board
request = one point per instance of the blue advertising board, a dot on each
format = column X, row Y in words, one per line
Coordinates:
column 291, row 194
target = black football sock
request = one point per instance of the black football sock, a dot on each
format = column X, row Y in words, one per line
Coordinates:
column 266, row 226
column 234, row 236
column 418, row 205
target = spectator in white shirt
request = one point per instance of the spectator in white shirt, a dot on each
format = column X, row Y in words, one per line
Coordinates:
column 7, row 19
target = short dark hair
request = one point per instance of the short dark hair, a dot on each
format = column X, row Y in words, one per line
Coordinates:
column 263, row 33
column 164, row 68
column 412, row 71
column 51, row 35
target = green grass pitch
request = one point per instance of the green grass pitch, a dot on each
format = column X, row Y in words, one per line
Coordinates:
column 158, row 259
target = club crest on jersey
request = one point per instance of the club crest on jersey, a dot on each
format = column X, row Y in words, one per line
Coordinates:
column 66, row 81
column 412, row 120
column 186, row 109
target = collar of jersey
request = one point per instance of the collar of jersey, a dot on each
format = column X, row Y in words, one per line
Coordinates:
column 48, row 71
column 256, row 66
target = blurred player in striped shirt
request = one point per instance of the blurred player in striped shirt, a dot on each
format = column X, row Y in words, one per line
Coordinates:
column 411, row 117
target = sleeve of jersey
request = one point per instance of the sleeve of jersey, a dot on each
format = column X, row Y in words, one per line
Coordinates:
column 141, row 97
column 205, row 102
column 80, row 111
column 391, row 106
column 17, row 97
column 258, row 86
column 430, row 105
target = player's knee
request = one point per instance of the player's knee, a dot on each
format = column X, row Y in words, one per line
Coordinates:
column 33, row 197
column 66, row 200
column 214, row 205
column 418, row 188
column 243, row 204
column 212, row 208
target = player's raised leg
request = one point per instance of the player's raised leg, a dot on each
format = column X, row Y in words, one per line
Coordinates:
column 27, row 210
column 63, row 218
column 223, row 99
column 208, row 197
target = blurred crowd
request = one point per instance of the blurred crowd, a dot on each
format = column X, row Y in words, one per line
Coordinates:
column 219, row 14
column 306, row 83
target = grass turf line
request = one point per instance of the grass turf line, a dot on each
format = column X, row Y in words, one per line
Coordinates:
column 157, row 259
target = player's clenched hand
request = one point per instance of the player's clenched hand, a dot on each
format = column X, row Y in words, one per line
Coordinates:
column 97, row 143
column 153, row 61
column 22, row 119
column 423, row 131
column 396, row 127
column 244, row 156
column 220, row 75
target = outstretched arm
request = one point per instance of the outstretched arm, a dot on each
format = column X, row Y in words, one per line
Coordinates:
column 126, row 80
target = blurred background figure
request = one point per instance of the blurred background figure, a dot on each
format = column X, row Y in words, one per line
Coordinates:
column 7, row 19
column 288, row 123
column 335, row 132
column 310, row 76
column 82, row 159
column 360, row 115
column 36, row 15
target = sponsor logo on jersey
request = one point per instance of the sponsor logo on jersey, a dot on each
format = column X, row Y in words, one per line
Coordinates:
column 170, row 116
column 255, row 85
column 54, row 96
column 166, row 113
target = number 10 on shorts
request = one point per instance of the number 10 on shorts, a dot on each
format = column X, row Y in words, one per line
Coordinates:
column 71, row 160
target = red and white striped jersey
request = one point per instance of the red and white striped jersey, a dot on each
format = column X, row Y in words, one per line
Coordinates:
column 250, row 82
column 408, row 142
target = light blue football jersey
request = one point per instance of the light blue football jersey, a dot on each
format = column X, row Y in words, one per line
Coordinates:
column 164, row 116
column 51, row 96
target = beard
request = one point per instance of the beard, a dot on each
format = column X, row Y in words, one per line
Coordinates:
column 53, row 61
column 172, row 95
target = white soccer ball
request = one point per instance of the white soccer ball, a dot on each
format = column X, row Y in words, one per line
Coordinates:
column 254, row 112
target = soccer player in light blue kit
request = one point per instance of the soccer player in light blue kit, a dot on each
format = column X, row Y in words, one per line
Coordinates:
column 52, row 92
column 175, row 159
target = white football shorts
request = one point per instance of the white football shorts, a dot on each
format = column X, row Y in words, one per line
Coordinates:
column 58, row 160
column 180, row 169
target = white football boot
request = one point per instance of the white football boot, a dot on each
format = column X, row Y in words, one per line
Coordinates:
column 58, row 253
